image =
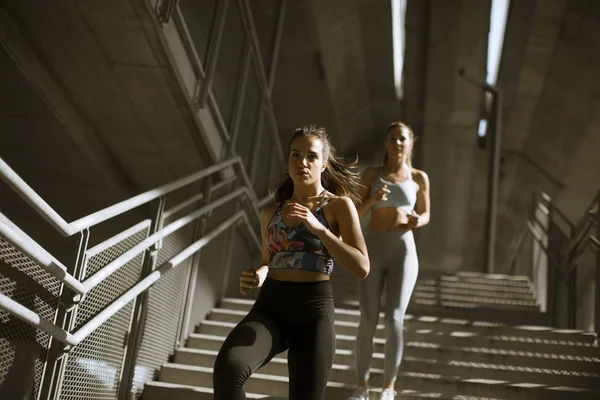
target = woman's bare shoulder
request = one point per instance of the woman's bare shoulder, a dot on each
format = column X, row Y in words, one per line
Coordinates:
column 340, row 202
column 267, row 211
column 371, row 172
column 369, row 175
column 420, row 177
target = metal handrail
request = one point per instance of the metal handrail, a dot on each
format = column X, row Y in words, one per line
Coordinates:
column 29, row 247
column 543, row 196
column 100, row 247
column 130, row 254
column 32, row 318
column 35, row 252
column 68, row 229
column 543, row 246
column 152, row 278
column 38, row 254
column 578, row 231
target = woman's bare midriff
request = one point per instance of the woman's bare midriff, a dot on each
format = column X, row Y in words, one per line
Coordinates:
column 296, row 276
column 388, row 219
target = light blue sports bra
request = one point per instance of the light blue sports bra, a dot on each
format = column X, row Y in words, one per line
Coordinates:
column 402, row 195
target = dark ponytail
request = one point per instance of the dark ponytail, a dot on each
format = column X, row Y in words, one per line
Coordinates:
column 340, row 177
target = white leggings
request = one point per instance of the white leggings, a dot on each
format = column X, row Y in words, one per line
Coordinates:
column 393, row 258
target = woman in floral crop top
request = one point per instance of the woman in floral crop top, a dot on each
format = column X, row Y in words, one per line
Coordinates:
column 313, row 221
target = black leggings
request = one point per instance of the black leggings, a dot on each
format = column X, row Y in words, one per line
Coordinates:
column 293, row 316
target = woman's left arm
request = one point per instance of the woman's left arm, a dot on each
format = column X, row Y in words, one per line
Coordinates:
column 423, row 206
column 350, row 251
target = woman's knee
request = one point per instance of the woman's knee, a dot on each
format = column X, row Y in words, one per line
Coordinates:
column 394, row 320
column 229, row 370
column 368, row 323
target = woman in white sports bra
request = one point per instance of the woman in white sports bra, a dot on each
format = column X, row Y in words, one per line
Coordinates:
column 395, row 201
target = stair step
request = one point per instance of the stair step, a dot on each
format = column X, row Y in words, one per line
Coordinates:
column 220, row 326
column 460, row 288
column 444, row 290
column 453, row 285
column 345, row 373
column 275, row 385
column 272, row 385
column 476, row 287
column 449, row 300
column 445, row 355
column 347, row 322
column 491, row 277
column 467, row 300
column 514, row 315
column 433, row 340
column 166, row 390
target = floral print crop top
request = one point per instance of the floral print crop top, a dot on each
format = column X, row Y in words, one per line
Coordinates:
column 298, row 248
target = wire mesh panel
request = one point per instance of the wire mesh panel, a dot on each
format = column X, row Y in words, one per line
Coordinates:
column 163, row 312
column 94, row 366
column 208, row 279
column 22, row 347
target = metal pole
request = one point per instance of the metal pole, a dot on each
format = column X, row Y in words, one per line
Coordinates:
column 276, row 45
column 572, row 299
column 227, row 256
column 214, row 46
column 597, row 303
column 493, row 169
column 140, row 309
column 240, row 96
column 493, row 182
column 56, row 363
column 199, row 231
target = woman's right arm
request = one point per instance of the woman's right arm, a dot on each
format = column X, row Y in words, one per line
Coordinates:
column 253, row 278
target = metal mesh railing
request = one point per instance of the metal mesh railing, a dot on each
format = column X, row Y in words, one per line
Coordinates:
column 23, row 348
column 94, row 366
column 164, row 309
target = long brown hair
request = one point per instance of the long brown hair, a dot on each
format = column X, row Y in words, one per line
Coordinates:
column 413, row 138
column 340, row 177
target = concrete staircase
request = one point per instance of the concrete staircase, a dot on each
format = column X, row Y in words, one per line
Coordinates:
column 457, row 346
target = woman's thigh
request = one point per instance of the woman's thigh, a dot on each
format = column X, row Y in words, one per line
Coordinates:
column 310, row 356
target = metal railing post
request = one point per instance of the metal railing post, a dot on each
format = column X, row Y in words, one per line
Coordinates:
column 572, row 299
column 276, row 45
column 597, row 286
column 229, row 243
column 258, row 134
column 66, row 317
column 203, row 86
column 140, row 309
column 240, row 96
column 188, row 300
column 493, row 168
column 555, row 247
